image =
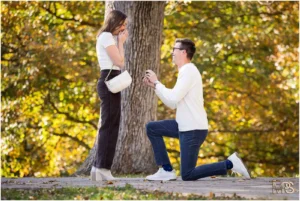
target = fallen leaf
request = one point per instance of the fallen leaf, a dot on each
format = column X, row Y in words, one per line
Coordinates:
column 109, row 182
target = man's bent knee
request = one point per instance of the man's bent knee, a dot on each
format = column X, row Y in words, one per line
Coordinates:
column 186, row 178
column 149, row 126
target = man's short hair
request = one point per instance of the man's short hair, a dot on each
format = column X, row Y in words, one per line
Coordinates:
column 188, row 46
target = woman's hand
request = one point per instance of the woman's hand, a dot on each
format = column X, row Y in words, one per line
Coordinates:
column 123, row 36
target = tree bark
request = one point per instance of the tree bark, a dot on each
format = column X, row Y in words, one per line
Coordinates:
column 134, row 153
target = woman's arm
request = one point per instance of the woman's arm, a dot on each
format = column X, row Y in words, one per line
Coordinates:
column 115, row 53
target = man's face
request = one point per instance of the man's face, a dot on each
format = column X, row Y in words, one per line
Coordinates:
column 176, row 53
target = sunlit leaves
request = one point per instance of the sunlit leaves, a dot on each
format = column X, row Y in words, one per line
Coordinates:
column 49, row 103
column 247, row 54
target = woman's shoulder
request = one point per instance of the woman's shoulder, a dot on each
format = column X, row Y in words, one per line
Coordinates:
column 105, row 35
column 106, row 39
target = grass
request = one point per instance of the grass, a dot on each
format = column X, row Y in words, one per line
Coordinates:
column 107, row 193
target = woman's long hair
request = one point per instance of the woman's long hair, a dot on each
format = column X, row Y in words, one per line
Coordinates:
column 113, row 20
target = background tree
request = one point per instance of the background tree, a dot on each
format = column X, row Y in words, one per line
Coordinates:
column 139, row 103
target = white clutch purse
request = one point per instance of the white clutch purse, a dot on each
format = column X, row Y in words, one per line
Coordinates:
column 119, row 82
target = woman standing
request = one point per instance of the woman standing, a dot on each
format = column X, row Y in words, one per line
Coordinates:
column 110, row 53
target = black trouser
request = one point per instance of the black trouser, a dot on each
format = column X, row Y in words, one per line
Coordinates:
column 110, row 121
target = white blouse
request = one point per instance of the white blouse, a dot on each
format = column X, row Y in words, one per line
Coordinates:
column 104, row 40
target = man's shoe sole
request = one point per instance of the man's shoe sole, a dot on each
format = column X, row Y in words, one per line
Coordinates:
column 161, row 179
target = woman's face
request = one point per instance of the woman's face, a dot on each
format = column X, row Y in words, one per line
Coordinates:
column 121, row 28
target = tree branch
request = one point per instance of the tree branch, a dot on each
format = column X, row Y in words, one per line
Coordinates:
column 243, row 92
column 245, row 159
column 223, row 16
column 72, row 138
column 68, row 115
column 64, row 134
column 68, row 19
column 243, row 131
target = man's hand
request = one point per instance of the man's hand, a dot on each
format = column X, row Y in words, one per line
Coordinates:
column 151, row 76
column 147, row 82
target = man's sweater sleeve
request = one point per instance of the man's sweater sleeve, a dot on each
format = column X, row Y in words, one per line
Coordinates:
column 171, row 97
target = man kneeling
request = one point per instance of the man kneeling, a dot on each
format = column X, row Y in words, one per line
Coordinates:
column 190, row 126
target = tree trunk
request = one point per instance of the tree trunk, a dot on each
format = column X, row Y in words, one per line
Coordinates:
column 139, row 103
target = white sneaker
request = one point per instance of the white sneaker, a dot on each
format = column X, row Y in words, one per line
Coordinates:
column 162, row 175
column 238, row 165
column 101, row 174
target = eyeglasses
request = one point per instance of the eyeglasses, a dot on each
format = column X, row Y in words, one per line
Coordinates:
column 179, row 48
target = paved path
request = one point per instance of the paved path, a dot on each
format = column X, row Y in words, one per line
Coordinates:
column 258, row 188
